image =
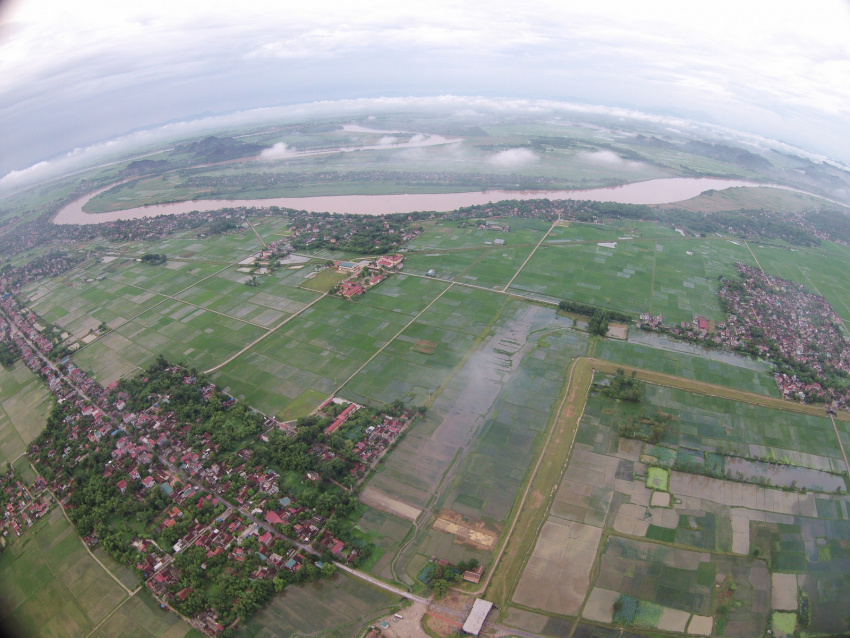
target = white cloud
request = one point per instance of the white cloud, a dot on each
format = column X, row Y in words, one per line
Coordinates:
column 387, row 140
column 26, row 175
column 608, row 158
column 514, row 157
column 279, row 151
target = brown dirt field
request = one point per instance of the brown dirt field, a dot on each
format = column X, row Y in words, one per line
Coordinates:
column 440, row 625
column 557, row 575
column 617, row 331
column 521, row 540
column 386, row 503
column 424, row 346
column 466, row 530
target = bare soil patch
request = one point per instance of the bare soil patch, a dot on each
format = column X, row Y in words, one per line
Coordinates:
column 466, row 530
column 424, row 346
column 386, row 503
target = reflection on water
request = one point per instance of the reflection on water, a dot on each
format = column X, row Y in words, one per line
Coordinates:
column 783, row 475
column 656, row 191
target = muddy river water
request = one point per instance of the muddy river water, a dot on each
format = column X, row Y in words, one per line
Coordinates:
column 656, row 191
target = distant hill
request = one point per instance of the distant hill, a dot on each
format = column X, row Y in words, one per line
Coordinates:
column 219, row 149
column 144, row 167
column 738, row 156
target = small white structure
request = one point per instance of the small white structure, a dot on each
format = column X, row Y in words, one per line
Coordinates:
column 477, row 616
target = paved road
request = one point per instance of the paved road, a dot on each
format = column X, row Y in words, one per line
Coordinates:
column 382, row 584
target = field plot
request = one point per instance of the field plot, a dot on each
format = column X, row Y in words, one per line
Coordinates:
column 816, row 551
column 483, row 429
column 387, row 532
column 24, row 405
column 404, row 371
column 325, row 345
column 710, row 424
column 141, row 617
column 448, row 235
column 51, row 586
column 276, row 298
column 185, row 333
column 573, row 232
column 670, row 577
column 446, row 265
column 337, row 607
column 223, row 249
column 676, row 278
column 686, row 277
column 169, row 278
column 78, row 306
column 618, row 278
column 739, row 532
column 822, row 271
column 702, row 365
column 496, row 268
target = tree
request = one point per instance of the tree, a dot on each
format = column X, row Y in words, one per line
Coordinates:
column 440, row 588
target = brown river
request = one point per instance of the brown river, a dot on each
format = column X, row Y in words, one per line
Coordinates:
column 656, row 191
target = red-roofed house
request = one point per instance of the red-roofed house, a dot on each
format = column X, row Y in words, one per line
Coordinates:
column 333, row 427
column 390, row 261
column 350, row 289
column 273, row 518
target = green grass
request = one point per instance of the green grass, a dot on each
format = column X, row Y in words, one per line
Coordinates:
column 303, row 404
column 703, row 365
column 325, row 345
column 658, row 478
column 52, row 587
column 637, row 276
column 783, row 622
column 661, row 534
column 24, row 405
column 337, row 607
column 324, row 280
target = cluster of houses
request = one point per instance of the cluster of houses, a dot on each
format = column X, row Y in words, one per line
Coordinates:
column 779, row 319
column 27, row 323
column 377, row 438
column 21, row 506
column 153, row 449
column 263, row 262
column 366, row 274
column 312, row 230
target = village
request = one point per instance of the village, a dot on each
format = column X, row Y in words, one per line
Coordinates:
column 365, row 274
column 782, row 322
column 226, row 509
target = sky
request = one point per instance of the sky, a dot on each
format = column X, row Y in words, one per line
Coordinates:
column 75, row 74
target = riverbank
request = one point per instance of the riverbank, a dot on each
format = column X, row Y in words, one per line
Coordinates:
column 656, row 191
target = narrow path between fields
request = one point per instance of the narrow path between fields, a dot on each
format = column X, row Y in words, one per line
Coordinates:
column 389, row 341
column 110, row 614
column 747, row 244
column 531, row 254
column 270, row 331
column 194, row 305
column 543, row 448
column 262, row 241
column 840, row 444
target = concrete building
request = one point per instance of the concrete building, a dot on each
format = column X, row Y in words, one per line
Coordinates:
column 477, row 616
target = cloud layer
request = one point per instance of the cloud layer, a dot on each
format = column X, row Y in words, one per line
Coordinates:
column 776, row 69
